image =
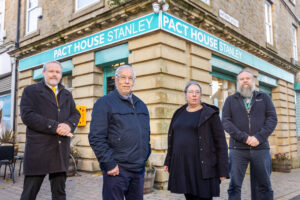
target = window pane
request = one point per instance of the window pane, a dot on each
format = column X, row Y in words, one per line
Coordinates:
column 294, row 35
column 221, row 89
column 32, row 20
column 32, row 4
column 84, row 3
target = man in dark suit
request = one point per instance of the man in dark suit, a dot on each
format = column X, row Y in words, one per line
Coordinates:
column 49, row 112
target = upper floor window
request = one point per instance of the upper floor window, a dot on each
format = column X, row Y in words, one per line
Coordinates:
column 293, row 2
column 83, row 3
column 32, row 16
column 206, row 1
column 2, row 4
column 268, row 22
column 294, row 40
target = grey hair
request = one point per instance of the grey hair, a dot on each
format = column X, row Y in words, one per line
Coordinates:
column 47, row 63
column 252, row 77
column 192, row 83
column 247, row 71
column 125, row 66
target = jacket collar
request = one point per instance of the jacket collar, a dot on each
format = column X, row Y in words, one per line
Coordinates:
column 59, row 86
column 207, row 112
column 134, row 98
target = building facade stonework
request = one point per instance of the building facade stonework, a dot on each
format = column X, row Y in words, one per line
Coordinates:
column 163, row 61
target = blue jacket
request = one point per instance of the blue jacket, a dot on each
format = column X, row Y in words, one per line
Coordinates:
column 120, row 132
column 261, row 122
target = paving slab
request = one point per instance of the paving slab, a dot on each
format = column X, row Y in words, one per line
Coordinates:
column 88, row 186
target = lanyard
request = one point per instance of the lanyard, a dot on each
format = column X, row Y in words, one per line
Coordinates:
column 248, row 105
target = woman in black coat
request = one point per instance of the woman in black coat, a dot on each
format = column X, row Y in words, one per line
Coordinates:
column 197, row 157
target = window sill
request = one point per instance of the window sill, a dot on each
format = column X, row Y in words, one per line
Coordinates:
column 271, row 47
column 84, row 11
column 30, row 36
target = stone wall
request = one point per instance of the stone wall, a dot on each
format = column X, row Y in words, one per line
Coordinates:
column 285, row 140
column 164, row 64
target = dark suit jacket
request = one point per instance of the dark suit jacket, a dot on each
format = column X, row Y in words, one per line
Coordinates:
column 46, row 151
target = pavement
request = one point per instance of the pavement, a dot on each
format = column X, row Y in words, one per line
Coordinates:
column 88, row 186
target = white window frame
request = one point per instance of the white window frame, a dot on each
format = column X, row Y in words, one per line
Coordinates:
column 86, row 5
column 206, row 2
column 27, row 17
column 268, row 22
column 2, row 14
column 294, row 40
column 293, row 2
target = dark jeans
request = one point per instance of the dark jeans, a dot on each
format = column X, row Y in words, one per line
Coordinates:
column 32, row 185
column 127, row 184
column 260, row 171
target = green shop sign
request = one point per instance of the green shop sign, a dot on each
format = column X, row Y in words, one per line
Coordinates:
column 124, row 31
column 149, row 23
column 182, row 29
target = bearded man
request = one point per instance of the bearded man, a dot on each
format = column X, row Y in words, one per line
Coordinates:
column 249, row 117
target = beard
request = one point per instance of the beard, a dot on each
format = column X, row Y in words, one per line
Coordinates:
column 246, row 91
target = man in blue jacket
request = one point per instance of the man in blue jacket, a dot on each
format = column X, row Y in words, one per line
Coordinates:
column 120, row 137
column 249, row 117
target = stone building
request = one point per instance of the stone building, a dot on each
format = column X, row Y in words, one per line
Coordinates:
column 209, row 41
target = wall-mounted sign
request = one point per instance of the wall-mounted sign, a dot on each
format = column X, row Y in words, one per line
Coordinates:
column 116, row 34
column 228, row 18
column 189, row 32
column 146, row 24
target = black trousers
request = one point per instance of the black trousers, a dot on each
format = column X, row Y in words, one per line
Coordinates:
column 32, row 185
column 192, row 197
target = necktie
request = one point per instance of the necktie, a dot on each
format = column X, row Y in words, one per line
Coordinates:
column 54, row 90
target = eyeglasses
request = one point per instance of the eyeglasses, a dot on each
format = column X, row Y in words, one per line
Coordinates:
column 124, row 79
column 197, row 92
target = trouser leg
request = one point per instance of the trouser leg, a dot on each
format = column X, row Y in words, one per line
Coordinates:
column 261, row 165
column 238, row 162
column 136, row 186
column 115, row 187
column 58, row 185
column 31, row 187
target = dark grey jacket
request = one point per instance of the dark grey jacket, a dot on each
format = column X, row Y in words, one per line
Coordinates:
column 120, row 132
column 46, row 151
column 261, row 123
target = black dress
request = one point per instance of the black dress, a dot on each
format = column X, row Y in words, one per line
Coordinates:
column 185, row 166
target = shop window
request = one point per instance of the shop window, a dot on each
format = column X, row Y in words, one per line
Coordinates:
column 294, row 39
column 5, row 116
column 268, row 22
column 110, row 59
column 109, row 77
column 222, row 87
column 32, row 16
column 266, row 89
column 66, row 80
column 80, row 4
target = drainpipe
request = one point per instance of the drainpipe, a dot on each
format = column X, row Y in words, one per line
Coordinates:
column 15, row 67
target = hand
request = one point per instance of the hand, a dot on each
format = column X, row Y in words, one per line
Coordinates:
column 114, row 171
column 252, row 141
column 222, row 178
column 166, row 168
column 64, row 129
